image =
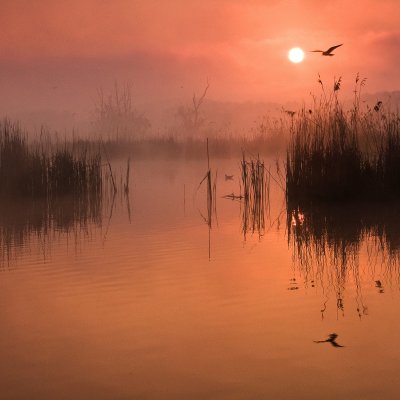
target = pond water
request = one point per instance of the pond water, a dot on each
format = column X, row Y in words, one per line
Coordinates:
column 145, row 297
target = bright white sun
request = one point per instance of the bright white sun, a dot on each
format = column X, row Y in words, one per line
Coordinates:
column 296, row 55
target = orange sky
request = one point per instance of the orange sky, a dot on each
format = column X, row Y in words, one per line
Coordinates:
column 57, row 52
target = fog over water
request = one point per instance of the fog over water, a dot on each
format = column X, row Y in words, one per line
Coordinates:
column 187, row 214
column 54, row 56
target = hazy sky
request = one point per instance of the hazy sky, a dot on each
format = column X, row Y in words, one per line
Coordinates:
column 55, row 53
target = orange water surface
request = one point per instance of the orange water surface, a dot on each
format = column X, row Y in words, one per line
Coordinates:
column 154, row 301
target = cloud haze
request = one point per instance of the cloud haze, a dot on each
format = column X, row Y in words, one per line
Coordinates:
column 55, row 54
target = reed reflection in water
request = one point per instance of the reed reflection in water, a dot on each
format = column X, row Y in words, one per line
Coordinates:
column 254, row 200
column 255, row 182
column 40, row 221
column 335, row 246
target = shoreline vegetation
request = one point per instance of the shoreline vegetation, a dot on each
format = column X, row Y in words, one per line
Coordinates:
column 342, row 189
column 336, row 155
column 45, row 169
column 337, row 159
column 124, row 131
column 46, row 187
column 43, row 166
column 333, row 153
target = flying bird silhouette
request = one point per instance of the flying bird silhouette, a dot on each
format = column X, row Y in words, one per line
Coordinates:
column 331, row 339
column 327, row 52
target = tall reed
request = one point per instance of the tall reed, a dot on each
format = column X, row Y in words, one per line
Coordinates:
column 255, row 182
column 339, row 155
column 39, row 171
column 45, row 187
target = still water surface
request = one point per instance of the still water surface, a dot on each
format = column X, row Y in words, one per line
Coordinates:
column 144, row 301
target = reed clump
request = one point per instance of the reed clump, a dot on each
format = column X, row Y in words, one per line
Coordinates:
column 42, row 170
column 343, row 155
column 255, row 185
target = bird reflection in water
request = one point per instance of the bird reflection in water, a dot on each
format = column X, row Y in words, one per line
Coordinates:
column 331, row 339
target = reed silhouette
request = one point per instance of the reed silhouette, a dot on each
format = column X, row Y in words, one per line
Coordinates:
column 338, row 155
column 255, row 186
column 45, row 169
column 211, row 185
column 48, row 187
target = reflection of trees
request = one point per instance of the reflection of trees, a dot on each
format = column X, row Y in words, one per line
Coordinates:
column 327, row 241
column 25, row 221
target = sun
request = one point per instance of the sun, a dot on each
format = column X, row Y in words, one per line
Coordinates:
column 296, row 55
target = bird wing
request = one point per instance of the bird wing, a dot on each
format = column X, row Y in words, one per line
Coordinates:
column 316, row 51
column 333, row 48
